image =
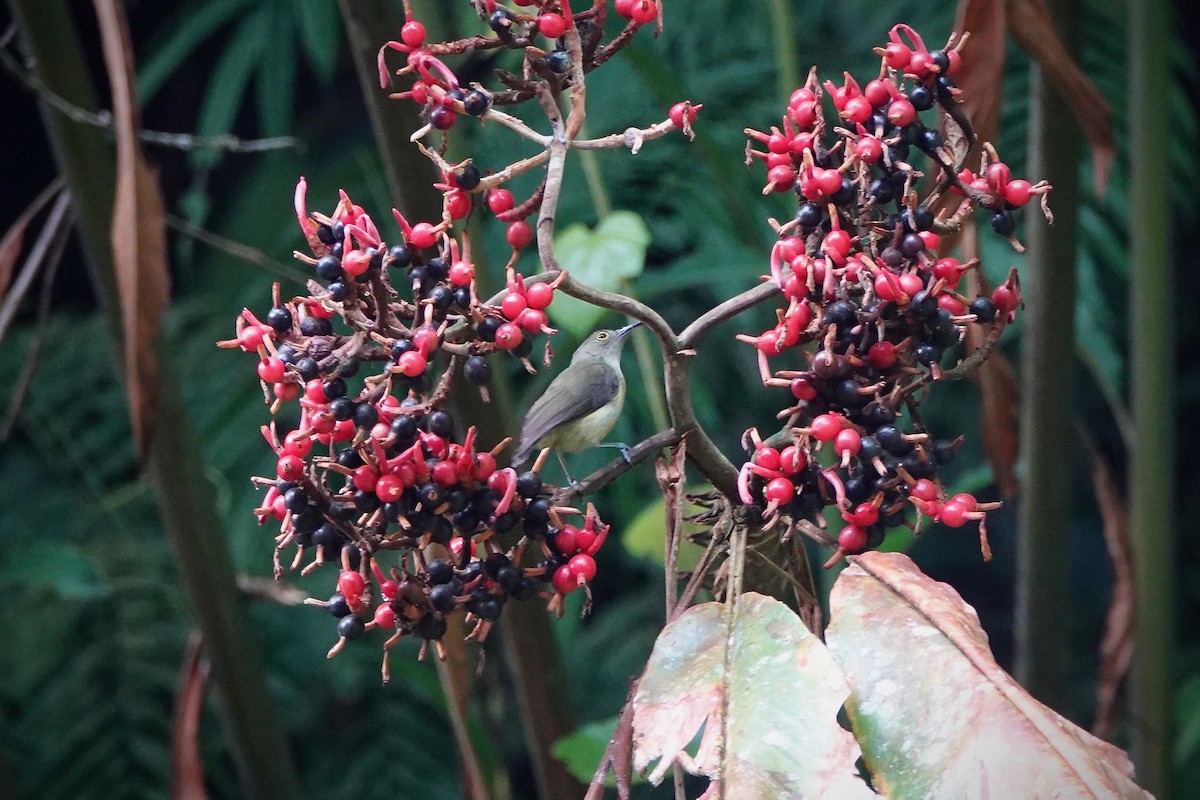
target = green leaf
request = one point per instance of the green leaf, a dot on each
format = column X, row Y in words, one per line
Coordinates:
column 601, row 258
column 61, row 567
column 188, row 29
column 643, row 536
column 766, row 693
column 582, row 750
column 227, row 86
column 276, row 80
column 935, row 714
column 321, row 33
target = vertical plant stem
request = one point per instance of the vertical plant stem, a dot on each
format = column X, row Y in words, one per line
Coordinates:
column 1152, row 351
column 783, row 46
column 1048, row 386
column 185, row 503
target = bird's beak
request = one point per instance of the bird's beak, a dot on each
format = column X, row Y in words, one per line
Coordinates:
column 622, row 332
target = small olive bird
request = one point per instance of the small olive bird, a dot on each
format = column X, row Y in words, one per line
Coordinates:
column 582, row 404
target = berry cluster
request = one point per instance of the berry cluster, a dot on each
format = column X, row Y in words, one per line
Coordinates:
column 374, row 462
column 859, row 269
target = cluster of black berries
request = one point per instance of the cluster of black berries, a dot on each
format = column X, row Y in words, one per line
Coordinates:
column 375, row 465
column 859, row 269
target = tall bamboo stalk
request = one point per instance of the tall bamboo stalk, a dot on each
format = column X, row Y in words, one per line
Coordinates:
column 1048, row 385
column 1152, row 470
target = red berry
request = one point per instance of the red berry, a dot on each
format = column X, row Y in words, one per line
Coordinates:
column 948, row 269
column 781, row 178
column 508, row 336
column 680, row 112
column 552, row 26
column 919, row 64
column 290, row 467
column 389, row 487
column 445, row 473
column 644, row 12
column 953, row 514
column 427, row 340
column 485, row 465
column 565, row 540
column 827, row 426
column 924, row 489
column 365, row 478
column 461, row 273
column 297, row 444
column 513, row 304
column 837, row 243
column 519, row 235
column 423, row 235
column 847, row 441
column 458, row 204
column 868, row 149
column 897, row 56
column 858, row 109
column 356, row 263
column 564, row 580
column 767, row 457
column 351, row 585
column 539, row 295
column 780, row 491
column 385, row 616
column 829, row 181
column 901, row 113
column 1005, row 299
column 911, row 283
column 500, row 200
column 865, row 515
column 952, row 304
column 585, row 540
column 1018, row 192
column 965, row 500
column 852, row 539
column 582, row 566
column 792, row 460
column 878, row 92
column 412, row 364
column 443, row 118
column 251, row 337
column 456, row 546
column 882, row 355
column 803, row 389
column 412, row 33
column 271, row 369
column 931, row 240
column 315, row 390
column 624, row 8
column 532, row 320
column 998, row 176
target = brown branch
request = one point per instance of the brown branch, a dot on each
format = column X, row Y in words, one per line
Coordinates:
column 725, row 311
column 617, row 467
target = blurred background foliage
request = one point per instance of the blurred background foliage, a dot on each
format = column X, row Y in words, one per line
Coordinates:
column 95, row 623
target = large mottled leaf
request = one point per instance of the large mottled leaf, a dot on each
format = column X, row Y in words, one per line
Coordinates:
column 602, row 258
column 934, row 713
column 139, row 242
column 766, row 693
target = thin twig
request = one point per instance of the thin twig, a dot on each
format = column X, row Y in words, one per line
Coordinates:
column 242, row 252
column 61, row 216
column 177, row 141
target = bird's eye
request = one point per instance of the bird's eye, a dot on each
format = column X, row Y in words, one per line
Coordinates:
column 602, row 336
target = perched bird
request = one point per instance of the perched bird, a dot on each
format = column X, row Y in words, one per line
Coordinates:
column 581, row 405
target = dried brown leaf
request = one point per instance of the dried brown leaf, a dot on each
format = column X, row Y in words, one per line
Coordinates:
column 934, row 713
column 187, row 767
column 1116, row 648
column 138, row 230
column 1033, row 28
column 1000, row 393
column 14, row 237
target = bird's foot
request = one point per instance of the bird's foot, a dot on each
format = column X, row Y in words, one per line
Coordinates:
column 622, row 448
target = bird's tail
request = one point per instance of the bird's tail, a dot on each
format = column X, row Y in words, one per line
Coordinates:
column 521, row 456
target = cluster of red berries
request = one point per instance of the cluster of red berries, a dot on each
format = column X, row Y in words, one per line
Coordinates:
column 860, row 272
column 375, row 464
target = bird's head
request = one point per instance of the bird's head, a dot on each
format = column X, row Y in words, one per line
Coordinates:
column 604, row 344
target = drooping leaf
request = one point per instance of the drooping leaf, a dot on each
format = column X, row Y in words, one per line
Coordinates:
column 321, row 33
column 601, row 258
column 138, row 230
column 934, row 713
column 187, row 768
column 766, row 693
column 187, row 30
column 14, row 237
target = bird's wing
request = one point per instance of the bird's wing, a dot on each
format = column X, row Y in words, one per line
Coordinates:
column 594, row 385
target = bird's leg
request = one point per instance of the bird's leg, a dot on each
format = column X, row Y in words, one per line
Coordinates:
column 570, row 481
column 621, row 447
